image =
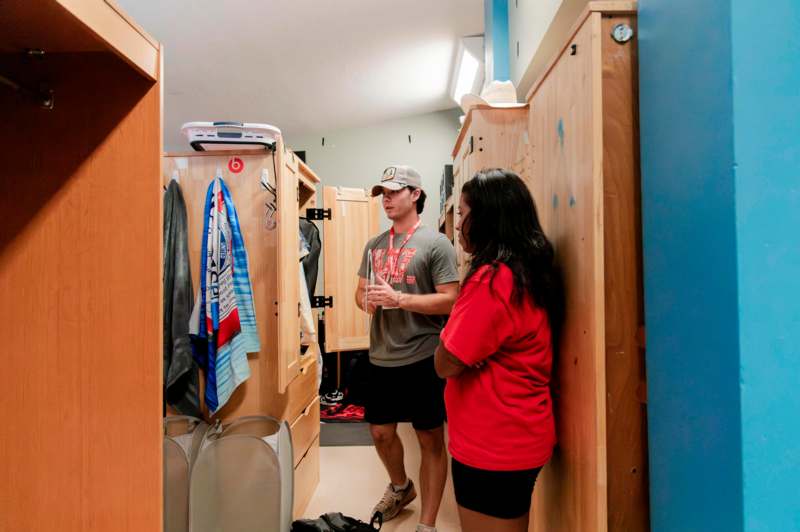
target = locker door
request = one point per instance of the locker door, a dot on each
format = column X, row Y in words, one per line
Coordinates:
column 288, row 302
column 354, row 220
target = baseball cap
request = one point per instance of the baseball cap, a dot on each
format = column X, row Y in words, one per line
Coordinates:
column 397, row 177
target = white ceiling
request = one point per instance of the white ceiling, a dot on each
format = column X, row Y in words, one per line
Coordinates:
column 305, row 65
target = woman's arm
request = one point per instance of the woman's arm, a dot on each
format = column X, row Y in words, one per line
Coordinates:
column 447, row 365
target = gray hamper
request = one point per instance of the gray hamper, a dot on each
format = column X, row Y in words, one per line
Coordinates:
column 243, row 481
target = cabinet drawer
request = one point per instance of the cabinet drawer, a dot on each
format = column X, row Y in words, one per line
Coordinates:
column 306, row 479
column 305, row 429
column 302, row 390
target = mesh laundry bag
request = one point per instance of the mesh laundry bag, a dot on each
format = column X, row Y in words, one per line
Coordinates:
column 243, row 480
column 176, row 487
column 183, row 437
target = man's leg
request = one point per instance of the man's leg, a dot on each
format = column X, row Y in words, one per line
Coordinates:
column 400, row 491
column 390, row 450
column 432, row 473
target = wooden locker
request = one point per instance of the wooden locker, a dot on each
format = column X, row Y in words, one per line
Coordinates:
column 354, row 220
column 489, row 138
column 81, row 439
column 269, row 190
column 585, row 180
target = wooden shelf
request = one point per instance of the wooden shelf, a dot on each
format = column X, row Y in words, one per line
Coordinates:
column 308, row 174
column 306, row 183
column 78, row 26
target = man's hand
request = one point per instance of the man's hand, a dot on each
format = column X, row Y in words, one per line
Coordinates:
column 382, row 294
column 369, row 308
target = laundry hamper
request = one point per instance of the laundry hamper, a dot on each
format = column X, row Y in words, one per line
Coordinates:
column 243, row 481
column 184, row 436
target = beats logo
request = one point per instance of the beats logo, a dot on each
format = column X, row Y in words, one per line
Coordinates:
column 235, row 165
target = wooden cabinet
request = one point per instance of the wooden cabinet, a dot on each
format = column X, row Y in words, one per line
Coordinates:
column 489, row 138
column 81, row 439
column 584, row 176
column 271, row 190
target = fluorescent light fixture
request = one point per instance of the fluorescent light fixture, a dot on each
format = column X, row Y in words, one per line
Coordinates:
column 468, row 72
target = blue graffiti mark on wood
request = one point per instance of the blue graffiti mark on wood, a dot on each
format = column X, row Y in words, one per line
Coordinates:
column 560, row 130
column 572, row 201
column 555, row 201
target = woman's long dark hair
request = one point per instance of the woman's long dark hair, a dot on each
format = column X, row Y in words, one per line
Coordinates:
column 503, row 227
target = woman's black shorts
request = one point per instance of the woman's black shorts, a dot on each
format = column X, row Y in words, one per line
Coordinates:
column 502, row 494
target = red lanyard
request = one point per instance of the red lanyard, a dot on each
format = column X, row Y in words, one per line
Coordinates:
column 403, row 245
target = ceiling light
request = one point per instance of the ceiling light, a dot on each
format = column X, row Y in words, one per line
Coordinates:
column 468, row 73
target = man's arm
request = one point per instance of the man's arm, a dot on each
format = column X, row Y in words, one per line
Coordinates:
column 438, row 304
column 447, row 365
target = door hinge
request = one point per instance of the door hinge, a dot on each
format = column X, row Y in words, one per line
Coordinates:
column 321, row 301
column 318, row 214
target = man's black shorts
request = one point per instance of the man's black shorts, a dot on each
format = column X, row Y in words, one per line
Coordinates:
column 405, row 393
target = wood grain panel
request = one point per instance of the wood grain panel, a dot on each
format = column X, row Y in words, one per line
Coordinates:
column 583, row 127
column 250, row 199
column 46, row 25
column 571, row 493
column 122, row 36
column 500, row 138
column 282, row 383
column 305, row 430
column 354, row 220
column 288, row 266
column 306, row 479
column 569, row 18
column 625, row 373
column 262, row 394
column 303, row 389
column 490, row 138
column 59, row 26
column 80, row 260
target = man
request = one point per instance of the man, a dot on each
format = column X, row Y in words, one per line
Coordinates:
column 408, row 281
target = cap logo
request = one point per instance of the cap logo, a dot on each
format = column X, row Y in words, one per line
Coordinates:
column 388, row 174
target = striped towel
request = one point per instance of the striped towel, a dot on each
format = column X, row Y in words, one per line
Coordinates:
column 223, row 323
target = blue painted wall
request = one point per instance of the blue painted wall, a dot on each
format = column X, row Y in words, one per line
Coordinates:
column 766, row 110
column 497, row 57
column 690, row 261
column 720, row 126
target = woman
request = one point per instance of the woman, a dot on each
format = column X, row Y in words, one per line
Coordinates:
column 496, row 353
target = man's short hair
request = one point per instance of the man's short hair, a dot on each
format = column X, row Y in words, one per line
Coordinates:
column 421, row 200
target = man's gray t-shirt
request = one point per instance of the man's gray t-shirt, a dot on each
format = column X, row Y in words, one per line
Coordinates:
column 400, row 337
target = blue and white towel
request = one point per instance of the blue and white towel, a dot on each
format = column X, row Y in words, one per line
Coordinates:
column 223, row 323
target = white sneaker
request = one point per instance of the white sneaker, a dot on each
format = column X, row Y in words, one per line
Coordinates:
column 394, row 500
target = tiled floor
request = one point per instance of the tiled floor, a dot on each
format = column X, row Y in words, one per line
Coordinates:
column 352, row 479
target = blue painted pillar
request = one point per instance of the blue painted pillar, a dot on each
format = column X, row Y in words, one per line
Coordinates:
column 495, row 31
column 720, row 138
column 766, row 110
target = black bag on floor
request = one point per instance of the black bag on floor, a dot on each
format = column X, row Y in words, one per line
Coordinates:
column 336, row 522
